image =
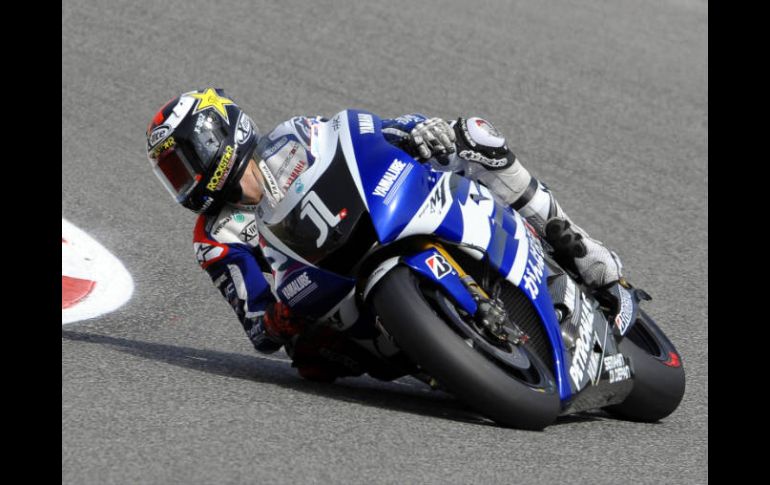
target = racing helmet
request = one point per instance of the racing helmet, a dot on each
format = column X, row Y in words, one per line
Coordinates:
column 199, row 145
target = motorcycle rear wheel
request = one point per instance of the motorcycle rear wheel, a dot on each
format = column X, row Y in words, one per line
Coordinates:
column 659, row 381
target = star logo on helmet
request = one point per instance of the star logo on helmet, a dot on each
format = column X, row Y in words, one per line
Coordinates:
column 210, row 99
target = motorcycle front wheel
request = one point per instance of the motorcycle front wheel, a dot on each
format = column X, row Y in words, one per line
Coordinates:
column 525, row 398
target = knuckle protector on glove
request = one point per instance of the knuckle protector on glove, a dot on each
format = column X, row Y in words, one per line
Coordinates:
column 478, row 141
column 432, row 137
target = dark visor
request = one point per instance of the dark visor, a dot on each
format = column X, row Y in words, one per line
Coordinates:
column 183, row 165
column 176, row 173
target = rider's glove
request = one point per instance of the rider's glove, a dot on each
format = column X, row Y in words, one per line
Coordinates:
column 281, row 324
column 433, row 137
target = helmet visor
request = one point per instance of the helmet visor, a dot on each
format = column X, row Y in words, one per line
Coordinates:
column 176, row 173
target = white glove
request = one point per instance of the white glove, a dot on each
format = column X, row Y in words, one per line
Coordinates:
column 433, row 137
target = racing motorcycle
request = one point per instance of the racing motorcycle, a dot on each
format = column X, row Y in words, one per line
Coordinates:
column 445, row 283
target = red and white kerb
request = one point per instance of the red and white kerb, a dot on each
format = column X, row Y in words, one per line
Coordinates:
column 93, row 281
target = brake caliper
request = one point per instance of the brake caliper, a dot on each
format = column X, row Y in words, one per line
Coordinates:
column 492, row 318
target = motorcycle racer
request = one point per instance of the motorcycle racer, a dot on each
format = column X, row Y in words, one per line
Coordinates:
column 214, row 161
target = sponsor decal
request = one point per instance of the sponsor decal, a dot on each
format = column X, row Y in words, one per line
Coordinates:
column 474, row 156
column 289, row 160
column 393, row 178
column 175, row 117
column 336, row 123
column 406, row 119
column 290, row 156
column 205, row 253
column 221, row 225
column 274, row 147
column 209, row 99
column 617, row 368
column 295, row 286
column 207, row 201
column 533, row 272
column 365, row 124
column 299, row 288
column 437, row 200
column 159, row 134
column 223, row 169
column 243, row 129
column 621, row 374
column 439, row 266
column 623, row 319
column 267, row 176
column 169, row 143
column 389, row 178
column 299, row 186
column 295, row 172
column 320, row 215
column 583, row 345
column 614, row 361
column 236, row 217
column 249, row 232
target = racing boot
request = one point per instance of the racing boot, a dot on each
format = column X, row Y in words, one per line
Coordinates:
column 596, row 264
column 489, row 160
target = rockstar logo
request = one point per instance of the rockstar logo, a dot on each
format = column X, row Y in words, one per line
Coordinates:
column 210, row 99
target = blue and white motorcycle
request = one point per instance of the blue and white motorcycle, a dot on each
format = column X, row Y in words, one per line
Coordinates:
column 447, row 284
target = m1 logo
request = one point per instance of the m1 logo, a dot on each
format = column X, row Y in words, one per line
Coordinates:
column 320, row 215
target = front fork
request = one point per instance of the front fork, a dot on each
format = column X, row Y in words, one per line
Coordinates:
column 434, row 263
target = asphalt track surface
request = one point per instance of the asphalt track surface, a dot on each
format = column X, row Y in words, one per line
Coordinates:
column 606, row 101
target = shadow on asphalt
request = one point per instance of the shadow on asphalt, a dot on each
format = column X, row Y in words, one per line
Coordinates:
column 406, row 395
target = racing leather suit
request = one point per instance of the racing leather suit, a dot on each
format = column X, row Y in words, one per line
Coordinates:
column 226, row 242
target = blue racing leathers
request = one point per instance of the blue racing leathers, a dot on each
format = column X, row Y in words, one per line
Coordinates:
column 226, row 242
